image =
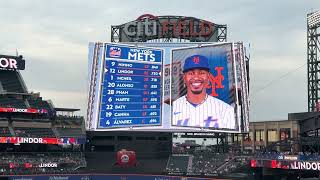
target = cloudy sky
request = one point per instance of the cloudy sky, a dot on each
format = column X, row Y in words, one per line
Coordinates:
column 53, row 37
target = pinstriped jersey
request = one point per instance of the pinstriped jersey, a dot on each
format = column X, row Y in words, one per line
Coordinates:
column 212, row 113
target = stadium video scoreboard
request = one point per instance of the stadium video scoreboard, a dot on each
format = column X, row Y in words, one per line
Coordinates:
column 131, row 89
column 137, row 87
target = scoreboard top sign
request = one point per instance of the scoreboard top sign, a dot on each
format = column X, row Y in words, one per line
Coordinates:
column 148, row 26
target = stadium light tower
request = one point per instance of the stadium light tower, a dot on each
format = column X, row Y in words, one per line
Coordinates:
column 313, row 24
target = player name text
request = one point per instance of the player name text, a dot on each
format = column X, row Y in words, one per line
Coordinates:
column 121, row 114
column 122, row 122
column 122, row 99
column 124, row 65
column 124, row 78
column 120, row 106
column 122, row 85
column 125, row 71
column 122, row 92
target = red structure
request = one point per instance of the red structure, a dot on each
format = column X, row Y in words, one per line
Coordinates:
column 126, row 158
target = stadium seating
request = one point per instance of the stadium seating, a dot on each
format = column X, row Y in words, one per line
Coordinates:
column 178, row 164
column 69, row 126
column 11, row 102
column 28, row 163
column 38, row 103
column 202, row 161
column 239, row 163
column 3, row 117
column 5, row 132
column 70, row 132
column 10, row 82
column 70, row 121
column 23, row 121
column 33, row 132
column 207, row 162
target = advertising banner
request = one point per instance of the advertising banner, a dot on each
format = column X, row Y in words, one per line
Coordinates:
column 11, row 63
column 289, row 164
column 103, row 177
column 20, row 110
column 30, row 140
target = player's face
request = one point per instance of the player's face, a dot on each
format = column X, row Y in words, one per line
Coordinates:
column 196, row 80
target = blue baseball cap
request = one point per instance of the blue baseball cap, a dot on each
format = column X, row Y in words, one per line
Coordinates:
column 196, row 61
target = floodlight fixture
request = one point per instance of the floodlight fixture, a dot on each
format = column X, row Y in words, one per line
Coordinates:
column 313, row 19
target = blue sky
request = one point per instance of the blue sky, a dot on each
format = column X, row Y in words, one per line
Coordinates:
column 53, row 36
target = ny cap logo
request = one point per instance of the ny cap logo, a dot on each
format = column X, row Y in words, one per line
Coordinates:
column 196, row 60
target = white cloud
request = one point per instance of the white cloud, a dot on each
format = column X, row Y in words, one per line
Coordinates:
column 31, row 41
column 276, row 63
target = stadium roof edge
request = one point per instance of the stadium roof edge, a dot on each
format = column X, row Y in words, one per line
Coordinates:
column 11, row 56
column 15, row 93
column 272, row 120
column 66, row 109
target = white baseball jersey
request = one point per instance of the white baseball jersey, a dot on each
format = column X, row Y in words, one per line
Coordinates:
column 212, row 113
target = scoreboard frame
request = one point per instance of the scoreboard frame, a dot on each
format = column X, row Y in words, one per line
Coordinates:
column 165, row 122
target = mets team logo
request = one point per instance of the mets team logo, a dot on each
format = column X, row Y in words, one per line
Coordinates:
column 115, row 52
column 216, row 81
column 125, row 158
column 196, row 60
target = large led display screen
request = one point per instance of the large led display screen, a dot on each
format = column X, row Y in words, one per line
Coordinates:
column 205, row 95
column 137, row 87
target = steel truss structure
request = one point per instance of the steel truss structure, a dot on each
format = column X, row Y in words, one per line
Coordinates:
column 313, row 49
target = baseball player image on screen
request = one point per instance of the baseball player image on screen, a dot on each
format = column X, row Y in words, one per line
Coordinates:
column 197, row 108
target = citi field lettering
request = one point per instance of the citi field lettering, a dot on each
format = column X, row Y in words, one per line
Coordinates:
column 148, row 26
column 140, row 25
